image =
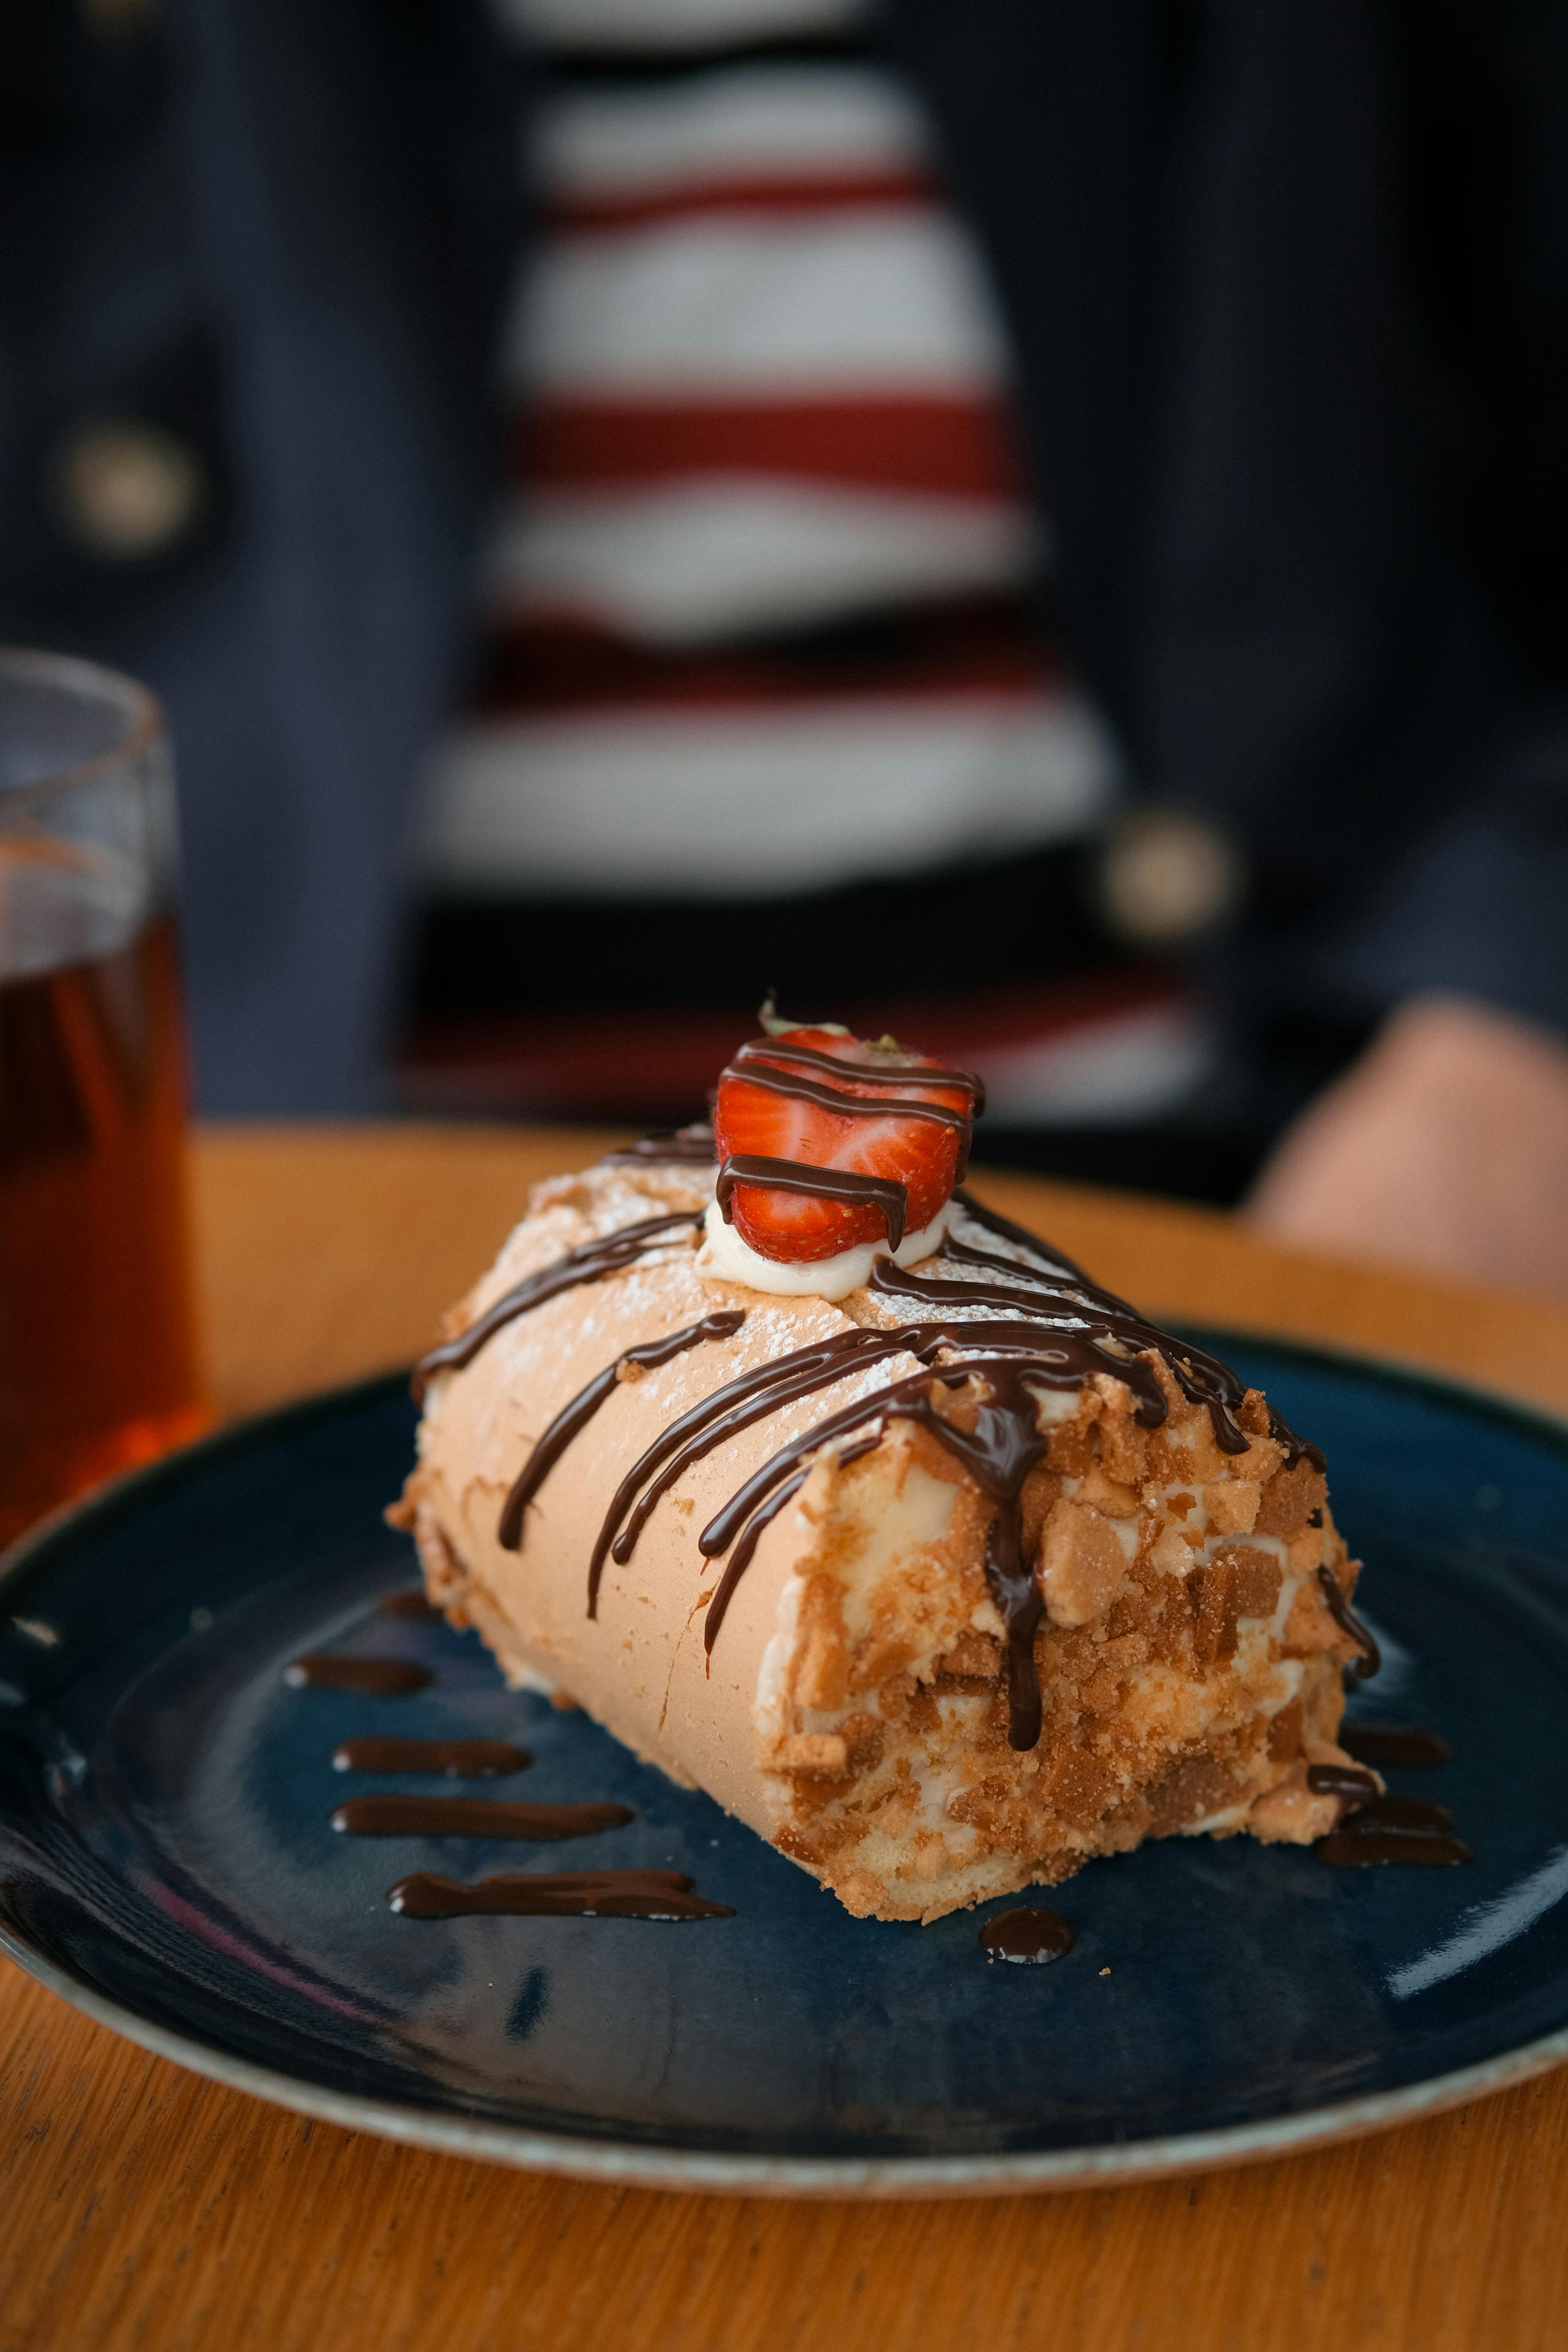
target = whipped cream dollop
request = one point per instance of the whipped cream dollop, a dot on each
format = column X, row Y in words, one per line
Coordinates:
column 725, row 1257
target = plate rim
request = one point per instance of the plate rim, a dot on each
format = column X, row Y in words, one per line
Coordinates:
column 625, row 2165
column 632, row 2165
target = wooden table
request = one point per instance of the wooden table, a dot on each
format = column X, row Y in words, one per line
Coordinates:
column 141, row 2207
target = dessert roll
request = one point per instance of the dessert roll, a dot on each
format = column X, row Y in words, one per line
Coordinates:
column 831, row 1493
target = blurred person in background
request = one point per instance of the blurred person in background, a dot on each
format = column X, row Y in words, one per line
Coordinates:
column 1045, row 525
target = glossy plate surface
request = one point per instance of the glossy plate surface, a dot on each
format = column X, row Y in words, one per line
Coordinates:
column 167, row 1861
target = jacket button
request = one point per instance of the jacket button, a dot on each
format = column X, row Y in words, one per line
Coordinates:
column 125, row 490
column 1166, row 878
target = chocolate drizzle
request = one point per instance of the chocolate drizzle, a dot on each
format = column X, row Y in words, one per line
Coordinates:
column 1202, row 1379
column 756, row 1062
column 589, row 1262
column 413, row 1600
column 714, row 1419
column 1199, row 1378
column 812, row 1057
column 740, row 1558
column 456, row 1759
column 575, row 1416
column 391, row 1815
column 884, row 1193
column 1350, row 1624
column 680, row 1146
column 556, row 1894
column 1000, row 1448
column 1059, row 1330
column 1005, row 1444
column 1030, row 1937
column 1002, row 1229
column 377, row 1677
column 1054, row 1329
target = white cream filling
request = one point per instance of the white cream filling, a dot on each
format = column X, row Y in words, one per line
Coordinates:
column 725, row 1257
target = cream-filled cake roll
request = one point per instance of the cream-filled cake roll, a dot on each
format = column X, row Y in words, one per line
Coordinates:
column 835, row 1495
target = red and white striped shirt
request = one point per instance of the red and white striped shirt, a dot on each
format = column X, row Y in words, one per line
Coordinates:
column 760, row 608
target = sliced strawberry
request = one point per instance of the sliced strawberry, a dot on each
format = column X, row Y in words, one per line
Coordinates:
column 776, row 1101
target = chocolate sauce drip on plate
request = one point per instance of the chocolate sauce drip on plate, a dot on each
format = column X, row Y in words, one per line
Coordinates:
column 1406, row 1830
column 1400, row 1813
column 1342, row 1851
column 575, row 1416
column 1395, row 1743
column 1376, row 1830
column 456, row 1759
column 680, row 1146
column 556, row 1894
column 377, row 1677
column 883, row 1193
column 1342, row 1780
column 412, row 1601
column 391, row 1815
column 1350, row 1624
column 1027, row 1935
column 589, row 1262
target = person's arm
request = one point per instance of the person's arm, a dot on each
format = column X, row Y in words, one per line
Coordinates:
column 1289, row 298
column 1445, row 1146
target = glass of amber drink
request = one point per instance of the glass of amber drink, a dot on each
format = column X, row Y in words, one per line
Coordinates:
column 98, row 1356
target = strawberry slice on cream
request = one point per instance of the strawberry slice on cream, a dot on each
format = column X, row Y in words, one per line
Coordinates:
column 828, row 1144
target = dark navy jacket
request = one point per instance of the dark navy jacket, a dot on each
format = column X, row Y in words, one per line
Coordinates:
column 1289, row 291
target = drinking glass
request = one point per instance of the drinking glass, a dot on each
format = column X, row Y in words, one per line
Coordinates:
column 97, row 1355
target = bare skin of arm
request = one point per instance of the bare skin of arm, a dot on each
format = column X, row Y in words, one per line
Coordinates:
column 1443, row 1147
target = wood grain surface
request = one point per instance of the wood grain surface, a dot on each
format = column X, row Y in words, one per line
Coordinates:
column 142, row 2208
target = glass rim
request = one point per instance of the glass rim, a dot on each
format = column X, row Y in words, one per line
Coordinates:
column 140, row 708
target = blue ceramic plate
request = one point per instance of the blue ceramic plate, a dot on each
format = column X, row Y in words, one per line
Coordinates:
column 167, row 1863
